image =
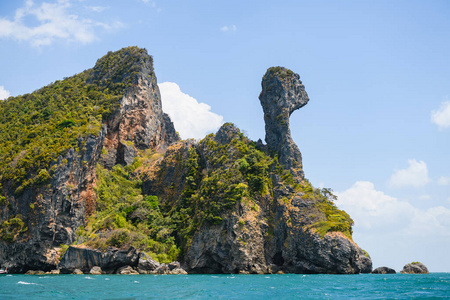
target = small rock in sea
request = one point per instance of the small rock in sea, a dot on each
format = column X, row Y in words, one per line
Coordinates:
column 162, row 269
column 383, row 270
column 96, row 270
column 174, row 265
column 415, row 268
column 178, row 271
column 146, row 264
column 127, row 270
column 32, row 272
column 77, row 272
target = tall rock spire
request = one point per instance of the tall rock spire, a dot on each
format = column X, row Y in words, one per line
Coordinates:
column 282, row 93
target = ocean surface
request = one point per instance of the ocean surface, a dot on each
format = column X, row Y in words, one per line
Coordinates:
column 290, row 286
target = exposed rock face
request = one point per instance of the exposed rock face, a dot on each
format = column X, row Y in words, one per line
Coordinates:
column 274, row 236
column 85, row 259
column 139, row 122
column 59, row 209
column 146, row 264
column 96, row 270
column 127, row 270
column 261, row 221
column 383, row 270
column 282, row 94
column 275, row 233
column 113, row 261
column 415, row 268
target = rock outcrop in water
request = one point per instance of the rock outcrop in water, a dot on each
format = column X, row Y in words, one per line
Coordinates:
column 222, row 205
column 415, row 268
column 383, row 270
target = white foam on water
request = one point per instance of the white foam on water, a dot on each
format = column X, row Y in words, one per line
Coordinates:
column 8, row 275
column 87, row 277
column 136, row 281
column 214, row 276
column 106, row 278
column 23, row 282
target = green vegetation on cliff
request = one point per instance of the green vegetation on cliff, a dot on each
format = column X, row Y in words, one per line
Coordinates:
column 126, row 217
column 36, row 128
column 13, row 229
column 217, row 178
column 221, row 176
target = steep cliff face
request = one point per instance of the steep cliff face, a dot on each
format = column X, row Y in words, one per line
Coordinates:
column 282, row 93
column 139, row 123
column 245, row 208
column 112, row 173
column 41, row 217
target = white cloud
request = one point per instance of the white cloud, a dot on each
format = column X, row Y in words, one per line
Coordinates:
column 369, row 207
column 395, row 232
column 372, row 209
column 443, row 180
column 441, row 117
column 4, row 94
column 52, row 21
column 228, row 28
column 97, row 9
column 425, row 197
column 416, row 175
column 191, row 118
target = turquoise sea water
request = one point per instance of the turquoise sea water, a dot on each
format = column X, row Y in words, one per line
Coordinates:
column 373, row 286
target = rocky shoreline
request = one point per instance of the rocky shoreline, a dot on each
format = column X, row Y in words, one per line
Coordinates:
column 82, row 260
column 79, row 260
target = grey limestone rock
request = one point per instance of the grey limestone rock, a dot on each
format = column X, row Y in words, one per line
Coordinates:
column 95, row 270
column 282, row 93
column 146, row 264
column 126, row 270
column 109, row 261
column 383, row 270
column 415, row 268
column 61, row 208
column 178, row 271
column 174, row 265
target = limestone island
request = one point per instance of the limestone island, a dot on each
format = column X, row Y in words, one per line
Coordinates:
column 95, row 179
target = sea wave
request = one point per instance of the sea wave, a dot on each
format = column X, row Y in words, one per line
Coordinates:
column 23, row 282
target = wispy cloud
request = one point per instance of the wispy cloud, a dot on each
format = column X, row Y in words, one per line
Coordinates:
column 228, row 28
column 441, row 116
column 4, row 94
column 51, row 21
column 97, row 9
column 443, row 180
column 191, row 118
column 416, row 175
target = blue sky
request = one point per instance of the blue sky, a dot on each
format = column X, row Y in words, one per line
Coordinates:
column 376, row 129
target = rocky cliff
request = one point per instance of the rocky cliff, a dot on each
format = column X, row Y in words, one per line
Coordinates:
column 282, row 93
column 245, row 207
column 114, row 181
column 41, row 217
